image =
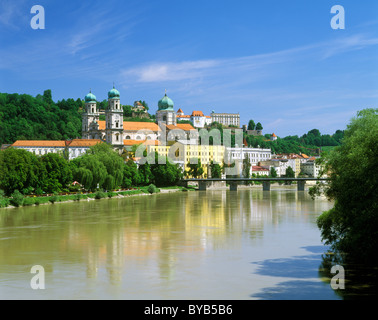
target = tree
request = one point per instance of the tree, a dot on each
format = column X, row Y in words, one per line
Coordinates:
column 251, row 125
column 195, row 168
column 273, row 172
column 259, row 126
column 164, row 172
column 19, row 170
column 289, row 174
column 246, row 167
column 216, row 170
column 58, row 172
column 351, row 226
column 100, row 167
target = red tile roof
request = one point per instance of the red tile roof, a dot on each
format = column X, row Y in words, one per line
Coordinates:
column 39, row 143
column 197, row 114
column 258, row 168
column 84, row 142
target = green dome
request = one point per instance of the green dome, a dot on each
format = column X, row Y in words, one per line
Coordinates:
column 165, row 103
column 90, row 97
column 113, row 94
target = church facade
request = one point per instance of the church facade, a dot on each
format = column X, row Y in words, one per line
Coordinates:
column 117, row 132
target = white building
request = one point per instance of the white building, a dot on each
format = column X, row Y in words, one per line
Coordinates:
column 73, row 149
column 255, row 155
column 226, row 119
column 310, row 168
column 198, row 119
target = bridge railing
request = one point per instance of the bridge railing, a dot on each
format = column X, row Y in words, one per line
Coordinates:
column 233, row 182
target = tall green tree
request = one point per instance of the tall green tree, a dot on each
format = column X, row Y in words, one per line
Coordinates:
column 216, row 170
column 273, row 172
column 259, row 126
column 58, row 173
column 251, row 125
column 19, row 170
column 246, row 167
column 351, row 226
column 195, row 168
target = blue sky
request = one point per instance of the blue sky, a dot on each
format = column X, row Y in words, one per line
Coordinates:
column 278, row 62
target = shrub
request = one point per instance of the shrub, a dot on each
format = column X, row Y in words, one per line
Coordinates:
column 78, row 197
column 4, row 202
column 100, row 195
column 53, row 198
column 38, row 191
column 28, row 202
column 152, row 188
column 111, row 194
column 17, row 198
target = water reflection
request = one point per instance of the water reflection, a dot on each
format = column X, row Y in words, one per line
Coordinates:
column 161, row 243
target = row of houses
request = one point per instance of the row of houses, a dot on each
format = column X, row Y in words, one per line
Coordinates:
column 183, row 151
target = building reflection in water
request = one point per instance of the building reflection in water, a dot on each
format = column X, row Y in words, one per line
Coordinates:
column 150, row 234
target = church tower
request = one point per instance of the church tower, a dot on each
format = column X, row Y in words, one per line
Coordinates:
column 90, row 118
column 114, row 119
column 166, row 113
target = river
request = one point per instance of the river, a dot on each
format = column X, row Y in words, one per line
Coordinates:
column 241, row 245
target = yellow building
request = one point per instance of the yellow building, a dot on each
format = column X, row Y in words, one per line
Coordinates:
column 182, row 152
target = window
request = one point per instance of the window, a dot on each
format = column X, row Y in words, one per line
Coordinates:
column 128, row 137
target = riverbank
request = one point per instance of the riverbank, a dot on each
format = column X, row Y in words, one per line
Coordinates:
column 142, row 191
column 99, row 195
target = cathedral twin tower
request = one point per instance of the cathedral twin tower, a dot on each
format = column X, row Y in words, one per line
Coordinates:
column 112, row 129
column 113, row 119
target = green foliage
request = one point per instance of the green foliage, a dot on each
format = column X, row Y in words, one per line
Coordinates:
column 259, row 126
column 100, row 195
column 54, row 198
column 17, row 198
column 195, row 168
column 152, row 188
column 251, row 125
column 112, row 194
column 246, row 167
column 100, row 167
column 273, row 172
column 4, row 201
column 216, row 170
column 24, row 117
column 56, row 174
column 164, row 173
column 20, row 169
column 351, row 226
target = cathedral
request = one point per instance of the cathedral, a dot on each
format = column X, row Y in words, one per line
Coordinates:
column 119, row 133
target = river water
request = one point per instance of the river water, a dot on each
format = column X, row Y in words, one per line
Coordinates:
column 241, row 245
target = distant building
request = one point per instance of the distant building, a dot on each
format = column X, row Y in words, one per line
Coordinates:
column 255, row 155
column 184, row 150
column 261, row 171
column 74, row 148
column 310, row 168
column 273, row 137
column 226, row 119
column 198, row 119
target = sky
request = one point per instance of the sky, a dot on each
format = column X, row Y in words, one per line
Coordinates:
column 276, row 62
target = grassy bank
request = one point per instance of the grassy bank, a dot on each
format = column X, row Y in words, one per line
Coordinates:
column 24, row 201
